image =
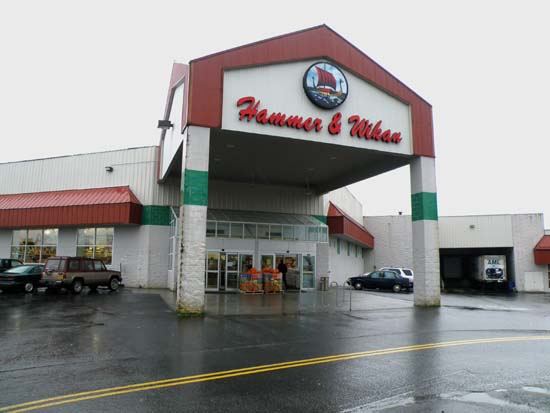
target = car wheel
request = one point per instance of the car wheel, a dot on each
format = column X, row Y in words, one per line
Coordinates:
column 114, row 284
column 358, row 286
column 396, row 288
column 77, row 286
column 29, row 287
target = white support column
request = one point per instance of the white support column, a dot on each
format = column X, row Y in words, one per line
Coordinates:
column 425, row 233
column 192, row 257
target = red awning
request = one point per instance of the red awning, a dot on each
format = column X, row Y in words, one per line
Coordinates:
column 98, row 206
column 542, row 251
column 343, row 226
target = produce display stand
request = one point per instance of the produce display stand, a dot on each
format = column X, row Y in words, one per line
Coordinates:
column 273, row 281
column 251, row 282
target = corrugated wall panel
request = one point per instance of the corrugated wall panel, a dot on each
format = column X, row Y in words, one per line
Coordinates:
column 476, row 231
column 240, row 196
column 135, row 167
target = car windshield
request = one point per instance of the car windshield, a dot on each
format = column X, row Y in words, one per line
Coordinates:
column 21, row 269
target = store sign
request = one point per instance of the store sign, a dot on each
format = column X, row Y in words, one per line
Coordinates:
column 358, row 127
column 325, row 85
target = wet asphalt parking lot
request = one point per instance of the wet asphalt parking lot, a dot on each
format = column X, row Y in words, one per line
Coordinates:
column 55, row 345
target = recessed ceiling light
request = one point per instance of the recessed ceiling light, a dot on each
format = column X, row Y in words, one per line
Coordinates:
column 229, row 146
column 332, row 158
column 310, row 169
column 217, row 159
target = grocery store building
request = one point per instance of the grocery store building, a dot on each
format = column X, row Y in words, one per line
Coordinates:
column 257, row 146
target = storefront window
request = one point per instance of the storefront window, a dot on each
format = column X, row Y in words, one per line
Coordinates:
column 236, row 230
column 323, row 234
column 312, row 233
column 250, row 231
column 263, row 231
column 288, row 233
column 275, row 232
column 34, row 245
column 95, row 243
column 300, row 233
column 211, row 229
column 223, row 230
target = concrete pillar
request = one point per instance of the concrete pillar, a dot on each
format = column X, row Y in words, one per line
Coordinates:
column 425, row 233
column 192, row 256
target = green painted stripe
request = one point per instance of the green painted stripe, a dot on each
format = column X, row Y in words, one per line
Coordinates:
column 424, row 206
column 155, row 215
column 321, row 218
column 195, row 188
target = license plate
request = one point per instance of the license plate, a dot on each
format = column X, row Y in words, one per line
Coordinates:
column 60, row 276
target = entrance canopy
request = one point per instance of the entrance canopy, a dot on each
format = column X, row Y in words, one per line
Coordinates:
column 98, row 206
column 542, row 251
column 271, row 160
column 303, row 109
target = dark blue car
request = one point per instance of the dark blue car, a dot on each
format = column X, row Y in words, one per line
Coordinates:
column 23, row 277
column 383, row 280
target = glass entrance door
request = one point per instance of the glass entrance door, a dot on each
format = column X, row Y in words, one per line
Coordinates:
column 212, row 270
column 308, row 272
column 293, row 276
column 222, row 270
column 232, row 271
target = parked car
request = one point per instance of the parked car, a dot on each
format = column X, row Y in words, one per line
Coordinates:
column 76, row 272
column 23, row 277
column 7, row 263
column 404, row 272
column 384, row 280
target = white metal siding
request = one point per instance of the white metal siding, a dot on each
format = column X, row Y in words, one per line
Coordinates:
column 344, row 199
column 240, row 196
column 136, row 167
column 476, row 231
column 392, row 242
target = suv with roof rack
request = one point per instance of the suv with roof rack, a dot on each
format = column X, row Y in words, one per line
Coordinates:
column 76, row 272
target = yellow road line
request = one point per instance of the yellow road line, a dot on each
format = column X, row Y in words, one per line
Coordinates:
column 180, row 381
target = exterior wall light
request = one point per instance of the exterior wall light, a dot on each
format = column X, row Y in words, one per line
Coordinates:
column 165, row 124
column 108, row 169
column 472, row 226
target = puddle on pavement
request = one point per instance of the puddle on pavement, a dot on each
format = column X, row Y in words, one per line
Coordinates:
column 538, row 390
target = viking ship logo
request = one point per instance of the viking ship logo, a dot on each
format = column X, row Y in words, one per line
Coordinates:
column 325, row 85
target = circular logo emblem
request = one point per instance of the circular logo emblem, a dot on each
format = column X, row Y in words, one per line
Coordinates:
column 325, row 85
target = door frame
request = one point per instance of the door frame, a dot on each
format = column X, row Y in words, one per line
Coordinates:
column 239, row 269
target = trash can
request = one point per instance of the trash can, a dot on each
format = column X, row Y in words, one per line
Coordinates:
column 323, row 283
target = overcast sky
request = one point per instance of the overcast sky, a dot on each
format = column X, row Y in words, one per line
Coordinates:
column 90, row 76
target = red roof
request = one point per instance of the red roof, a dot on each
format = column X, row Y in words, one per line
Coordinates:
column 320, row 42
column 343, row 226
column 97, row 206
column 542, row 251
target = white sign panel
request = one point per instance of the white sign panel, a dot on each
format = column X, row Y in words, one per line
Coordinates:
column 318, row 101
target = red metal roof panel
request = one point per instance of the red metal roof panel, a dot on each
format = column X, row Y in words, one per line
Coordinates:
column 74, row 197
column 97, row 206
column 340, row 223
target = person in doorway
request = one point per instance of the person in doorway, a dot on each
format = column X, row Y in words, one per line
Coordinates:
column 283, row 269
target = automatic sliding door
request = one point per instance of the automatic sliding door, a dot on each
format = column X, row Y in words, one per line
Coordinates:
column 308, row 271
column 232, row 272
column 212, row 271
